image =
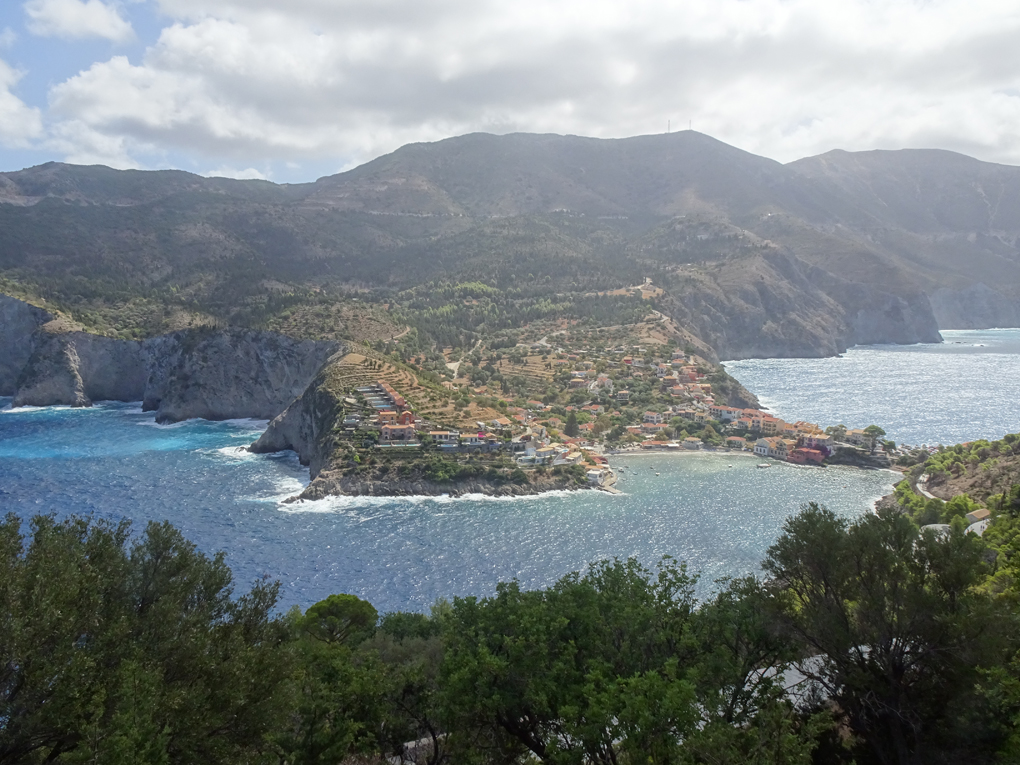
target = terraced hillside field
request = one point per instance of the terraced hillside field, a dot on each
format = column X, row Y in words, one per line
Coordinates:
column 429, row 400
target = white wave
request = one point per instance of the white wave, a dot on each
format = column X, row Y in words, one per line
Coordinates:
column 245, row 422
column 163, row 426
column 239, row 453
column 30, row 409
column 336, row 505
column 119, row 406
column 284, row 488
column 346, row 504
column 556, row 494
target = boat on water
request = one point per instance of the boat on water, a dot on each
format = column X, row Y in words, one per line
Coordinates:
column 764, row 464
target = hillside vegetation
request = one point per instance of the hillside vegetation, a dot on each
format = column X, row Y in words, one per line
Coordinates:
column 871, row 642
column 755, row 257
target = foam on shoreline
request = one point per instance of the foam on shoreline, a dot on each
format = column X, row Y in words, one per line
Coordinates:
column 346, row 503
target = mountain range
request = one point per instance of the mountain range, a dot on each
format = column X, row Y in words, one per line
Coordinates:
column 757, row 258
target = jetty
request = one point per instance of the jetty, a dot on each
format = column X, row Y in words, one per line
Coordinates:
column 609, row 485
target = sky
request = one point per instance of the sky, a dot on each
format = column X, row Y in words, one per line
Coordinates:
column 292, row 90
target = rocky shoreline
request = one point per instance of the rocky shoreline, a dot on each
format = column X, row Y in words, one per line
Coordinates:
column 338, row 484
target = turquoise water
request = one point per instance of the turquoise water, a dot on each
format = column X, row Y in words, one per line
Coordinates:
column 961, row 390
column 113, row 461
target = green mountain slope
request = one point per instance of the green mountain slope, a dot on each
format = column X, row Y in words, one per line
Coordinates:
column 758, row 257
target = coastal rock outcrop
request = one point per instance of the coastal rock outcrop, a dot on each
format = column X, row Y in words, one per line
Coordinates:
column 305, row 426
column 76, row 368
column 775, row 305
column 215, row 374
column 977, row 306
column 52, row 378
column 18, row 322
column 230, row 373
column 329, row 483
column 879, row 317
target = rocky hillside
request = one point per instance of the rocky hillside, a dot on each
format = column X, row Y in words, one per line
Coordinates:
column 203, row 372
column 979, row 469
column 757, row 258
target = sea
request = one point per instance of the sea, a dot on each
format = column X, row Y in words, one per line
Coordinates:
column 962, row 389
column 717, row 512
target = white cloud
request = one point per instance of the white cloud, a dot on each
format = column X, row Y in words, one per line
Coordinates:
column 313, row 81
column 77, row 19
column 19, row 123
column 81, row 145
column 8, row 37
column 248, row 174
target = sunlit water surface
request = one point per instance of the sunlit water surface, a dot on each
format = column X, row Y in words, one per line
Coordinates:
column 717, row 512
column 961, row 390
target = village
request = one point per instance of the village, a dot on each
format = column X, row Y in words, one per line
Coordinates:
column 587, row 404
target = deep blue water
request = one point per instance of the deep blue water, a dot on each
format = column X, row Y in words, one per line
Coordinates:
column 113, row 461
column 961, row 390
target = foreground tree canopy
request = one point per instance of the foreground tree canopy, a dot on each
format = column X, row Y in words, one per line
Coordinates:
column 870, row 642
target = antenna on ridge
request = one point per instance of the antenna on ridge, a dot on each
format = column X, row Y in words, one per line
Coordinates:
column 667, row 127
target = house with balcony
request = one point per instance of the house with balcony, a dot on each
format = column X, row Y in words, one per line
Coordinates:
column 444, row 437
column 857, row 437
column 724, row 413
column 780, row 448
column 820, row 441
column 405, row 434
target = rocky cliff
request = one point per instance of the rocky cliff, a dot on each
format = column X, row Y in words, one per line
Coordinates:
column 18, row 322
column 209, row 373
column 975, row 307
column 305, row 426
column 775, row 305
column 225, row 374
column 76, row 368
